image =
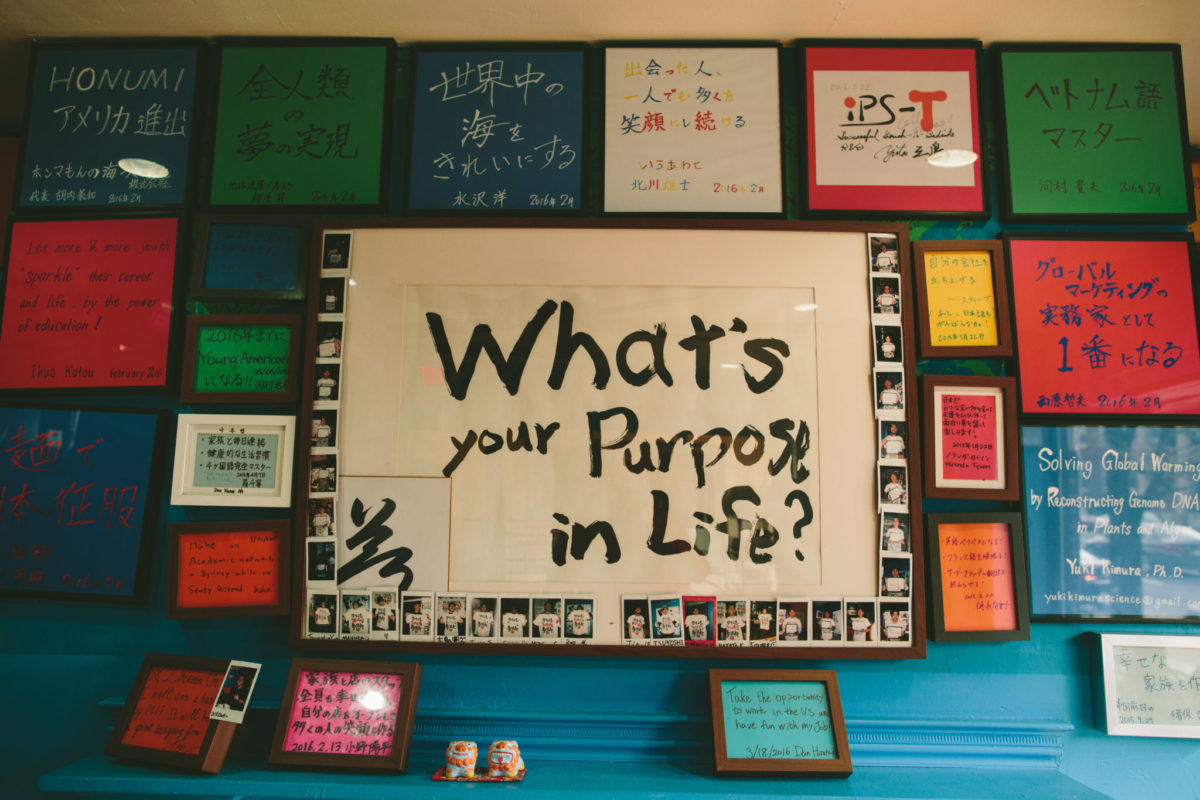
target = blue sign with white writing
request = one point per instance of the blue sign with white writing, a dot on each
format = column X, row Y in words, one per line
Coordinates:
column 1113, row 520
column 496, row 131
column 91, row 109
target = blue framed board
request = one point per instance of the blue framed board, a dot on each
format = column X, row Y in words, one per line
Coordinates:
column 1113, row 515
column 77, row 495
column 240, row 258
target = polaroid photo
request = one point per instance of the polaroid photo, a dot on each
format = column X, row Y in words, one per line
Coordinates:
column 762, row 622
column 862, row 622
column 895, row 576
column 322, row 619
column 580, row 622
column 355, row 614
column 666, row 612
column 635, row 616
column 416, row 617
column 893, row 439
column 895, row 620
column 699, row 620
column 889, row 393
column 893, row 485
column 889, row 344
column 885, row 297
column 322, row 473
column 324, row 430
column 893, row 533
column 327, row 383
column 335, row 252
column 885, row 254
column 828, row 622
column 234, row 695
column 481, row 615
column 385, row 623
column 329, row 342
column 332, row 297
column 451, row 618
column 733, row 622
column 321, row 561
column 514, row 618
column 320, row 518
column 546, row 625
column 794, row 624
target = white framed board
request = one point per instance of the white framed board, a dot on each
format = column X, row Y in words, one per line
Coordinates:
column 1151, row 685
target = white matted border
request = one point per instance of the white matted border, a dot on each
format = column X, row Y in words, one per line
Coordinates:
column 185, row 492
column 1151, row 685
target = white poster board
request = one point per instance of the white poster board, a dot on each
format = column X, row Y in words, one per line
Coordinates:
column 1151, row 685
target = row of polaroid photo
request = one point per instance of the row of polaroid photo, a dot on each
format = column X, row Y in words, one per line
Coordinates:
column 387, row 614
column 331, row 322
column 774, row 622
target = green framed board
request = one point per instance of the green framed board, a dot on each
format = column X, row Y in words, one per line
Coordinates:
column 1093, row 133
column 241, row 358
column 302, row 124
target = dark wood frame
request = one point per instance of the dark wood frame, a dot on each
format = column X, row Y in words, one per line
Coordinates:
column 282, row 529
column 1018, row 568
column 838, row 767
column 1000, row 312
column 397, row 761
column 188, row 394
column 1009, row 440
column 216, row 739
column 201, row 226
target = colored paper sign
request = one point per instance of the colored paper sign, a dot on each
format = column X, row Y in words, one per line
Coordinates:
column 236, row 461
column 970, row 448
column 876, row 115
column 90, row 108
column 1112, row 515
column 961, row 300
column 976, row 576
column 87, row 303
column 1105, row 327
column 228, row 568
column 242, row 358
column 300, row 125
column 253, row 257
column 1094, row 131
column 171, row 713
column 692, row 129
column 777, row 719
column 1195, row 226
column 496, row 130
column 348, row 713
column 74, row 488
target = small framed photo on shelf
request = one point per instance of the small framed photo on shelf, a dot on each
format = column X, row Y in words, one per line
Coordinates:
column 962, row 299
column 375, row 701
column 233, row 460
column 241, row 358
column 818, row 749
column 980, row 586
column 1146, row 685
column 229, row 569
column 247, row 258
column 971, row 437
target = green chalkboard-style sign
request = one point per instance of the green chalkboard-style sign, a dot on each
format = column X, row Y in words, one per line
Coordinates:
column 1093, row 133
column 241, row 358
column 778, row 721
column 302, row 124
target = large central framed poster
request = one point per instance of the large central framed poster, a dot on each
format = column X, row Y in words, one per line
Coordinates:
column 608, row 435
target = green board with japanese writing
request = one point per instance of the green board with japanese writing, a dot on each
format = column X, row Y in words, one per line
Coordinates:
column 1094, row 132
column 302, row 124
column 240, row 358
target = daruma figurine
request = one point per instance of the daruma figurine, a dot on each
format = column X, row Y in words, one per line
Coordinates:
column 504, row 759
column 460, row 759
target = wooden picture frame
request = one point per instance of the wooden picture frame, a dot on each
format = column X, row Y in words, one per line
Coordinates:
column 230, row 351
column 979, row 581
column 298, row 746
column 229, row 569
column 1070, row 119
column 206, row 741
column 768, row 695
column 217, row 486
column 956, row 467
column 1130, row 674
column 881, row 142
column 955, row 317
column 235, row 257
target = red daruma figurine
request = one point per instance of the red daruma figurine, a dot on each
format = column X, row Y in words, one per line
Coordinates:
column 460, row 759
column 504, row 760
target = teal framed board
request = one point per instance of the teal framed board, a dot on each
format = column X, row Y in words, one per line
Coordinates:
column 778, row 721
column 302, row 124
column 241, row 358
column 1093, row 133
